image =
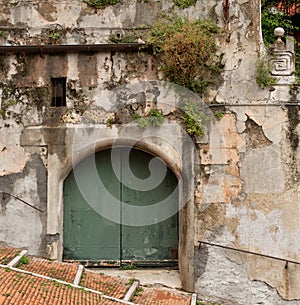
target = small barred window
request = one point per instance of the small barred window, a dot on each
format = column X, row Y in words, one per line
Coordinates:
column 58, row 92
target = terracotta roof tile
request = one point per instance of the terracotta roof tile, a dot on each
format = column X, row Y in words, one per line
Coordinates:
column 57, row 270
column 20, row 288
column 23, row 289
column 112, row 286
column 291, row 9
column 153, row 296
column 7, row 254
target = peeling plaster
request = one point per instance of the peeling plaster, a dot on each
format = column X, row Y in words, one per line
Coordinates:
column 260, row 179
column 233, row 275
column 29, row 186
column 262, row 226
column 13, row 70
column 255, row 136
column 48, row 11
column 247, row 185
column 12, row 159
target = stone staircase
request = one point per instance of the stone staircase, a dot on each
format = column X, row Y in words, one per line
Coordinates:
column 29, row 280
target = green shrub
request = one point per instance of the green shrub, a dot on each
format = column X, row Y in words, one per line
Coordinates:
column 272, row 18
column 188, row 51
column 23, row 261
column 194, row 119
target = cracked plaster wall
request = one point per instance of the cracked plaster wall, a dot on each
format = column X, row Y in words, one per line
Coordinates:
column 247, row 190
column 249, row 201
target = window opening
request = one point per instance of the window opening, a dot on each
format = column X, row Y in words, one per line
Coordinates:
column 58, row 92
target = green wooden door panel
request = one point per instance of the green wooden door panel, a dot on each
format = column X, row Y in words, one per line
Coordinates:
column 156, row 241
column 90, row 236
column 87, row 234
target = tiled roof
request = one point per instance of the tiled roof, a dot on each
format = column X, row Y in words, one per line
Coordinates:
column 291, row 9
column 7, row 254
column 24, row 289
column 160, row 297
column 109, row 285
column 57, row 270
column 35, row 281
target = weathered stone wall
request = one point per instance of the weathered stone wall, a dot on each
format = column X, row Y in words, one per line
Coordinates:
column 247, row 196
column 246, row 193
column 249, row 201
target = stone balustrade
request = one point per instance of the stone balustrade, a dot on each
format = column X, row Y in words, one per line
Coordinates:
column 282, row 58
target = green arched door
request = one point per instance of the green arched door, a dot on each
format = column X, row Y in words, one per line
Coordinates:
column 121, row 206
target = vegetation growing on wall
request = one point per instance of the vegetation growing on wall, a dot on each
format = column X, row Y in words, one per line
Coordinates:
column 188, row 51
column 104, row 3
column 8, row 91
column 100, row 3
column 194, row 119
column 297, row 63
column 35, row 97
column 154, row 119
column 2, row 34
column 118, row 38
column 263, row 76
column 271, row 18
column 184, row 3
column 54, row 36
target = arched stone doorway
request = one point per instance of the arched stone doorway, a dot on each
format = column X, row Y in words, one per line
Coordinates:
column 121, row 206
column 69, row 144
column 175, row 151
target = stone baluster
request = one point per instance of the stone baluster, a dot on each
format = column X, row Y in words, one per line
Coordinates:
column 282, row 59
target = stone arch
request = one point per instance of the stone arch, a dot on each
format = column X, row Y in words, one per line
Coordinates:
column 169, row 142
column 105, row 183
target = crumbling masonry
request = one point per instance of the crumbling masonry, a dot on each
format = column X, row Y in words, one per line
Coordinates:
column 243, row 174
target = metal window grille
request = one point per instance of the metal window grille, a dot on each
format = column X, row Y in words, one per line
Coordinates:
column 58, row 92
